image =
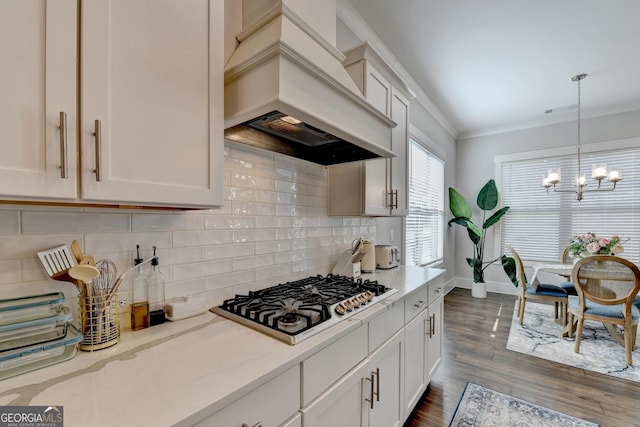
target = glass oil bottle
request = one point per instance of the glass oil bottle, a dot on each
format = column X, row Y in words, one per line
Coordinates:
column 140, row 295
column 156, row 293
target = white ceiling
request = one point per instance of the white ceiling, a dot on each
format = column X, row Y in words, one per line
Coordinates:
column 495, row 65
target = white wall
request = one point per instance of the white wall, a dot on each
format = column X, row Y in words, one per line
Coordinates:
column 475, row 166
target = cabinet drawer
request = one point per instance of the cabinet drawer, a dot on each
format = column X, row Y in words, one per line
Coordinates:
column 271, row 404
column 328, row 365
column 436, row 288
column 415, row 303
column 383, row 326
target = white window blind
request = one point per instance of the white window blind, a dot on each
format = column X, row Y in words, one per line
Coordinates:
column 424, row 225
column 540, row 225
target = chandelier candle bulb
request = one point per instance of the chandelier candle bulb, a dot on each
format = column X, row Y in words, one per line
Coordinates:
column 581, row 180
column 615, row 176
column 599, row 171
column 553, row 176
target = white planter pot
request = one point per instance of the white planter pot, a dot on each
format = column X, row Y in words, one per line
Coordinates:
column 479, row 290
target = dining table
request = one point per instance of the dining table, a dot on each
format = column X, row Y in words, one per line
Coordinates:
column 594, row 274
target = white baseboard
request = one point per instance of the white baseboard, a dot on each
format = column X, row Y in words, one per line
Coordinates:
column 498, row 287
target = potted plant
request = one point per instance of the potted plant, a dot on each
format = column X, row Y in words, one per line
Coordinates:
column 487, row 200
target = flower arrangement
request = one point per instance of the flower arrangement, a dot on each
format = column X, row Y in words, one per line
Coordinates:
column 589, row 244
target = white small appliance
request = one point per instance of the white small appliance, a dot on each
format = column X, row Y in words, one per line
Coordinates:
column 368, row 263
column 387, row 256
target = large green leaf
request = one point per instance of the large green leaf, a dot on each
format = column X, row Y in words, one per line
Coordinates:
column 458, row 204
column 478, row 273
column 495, row 217
column 474, row 231
column 509, row 266
column 488, row 196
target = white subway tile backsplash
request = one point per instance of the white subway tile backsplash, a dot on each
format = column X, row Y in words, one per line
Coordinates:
column 9, row 222
column 117, row 242
column 200, row 269
column 228, row 222
column 273, row 246
column 201, row 238
column 165, row 222
column 272, row 228
column 255, row 235
column 74, row 222
column 227, row 280
column 10, row 270
column 229, row 251
column 252, row 262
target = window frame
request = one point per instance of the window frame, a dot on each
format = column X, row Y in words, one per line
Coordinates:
column 552, row 154
column 424, row 142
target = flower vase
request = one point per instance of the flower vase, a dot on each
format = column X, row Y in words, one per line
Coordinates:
column 479, row 290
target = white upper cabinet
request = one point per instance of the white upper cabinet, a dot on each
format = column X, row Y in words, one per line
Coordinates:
column 151, row 96
column 38, row 83
column 374, row 187
column 151, row 102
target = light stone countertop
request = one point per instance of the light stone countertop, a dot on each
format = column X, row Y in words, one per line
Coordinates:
column 180, row 372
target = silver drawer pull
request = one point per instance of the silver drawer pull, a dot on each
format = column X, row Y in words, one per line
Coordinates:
column 437, row 290
column 98, row 135
column 258, row 424
column 64, row 165
column 419, row 304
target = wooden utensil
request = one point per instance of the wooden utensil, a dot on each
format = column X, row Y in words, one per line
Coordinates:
column 77, row 252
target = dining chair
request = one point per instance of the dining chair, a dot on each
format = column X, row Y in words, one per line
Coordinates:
column 542, row 292
column 565, row 258
column 607, row 286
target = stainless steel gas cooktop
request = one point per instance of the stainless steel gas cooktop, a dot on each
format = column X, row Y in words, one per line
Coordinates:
column 294, row 311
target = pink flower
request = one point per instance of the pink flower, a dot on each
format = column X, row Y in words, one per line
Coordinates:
column 604, row 242
column 615, row 237
column 593, row 247
column 618, row 249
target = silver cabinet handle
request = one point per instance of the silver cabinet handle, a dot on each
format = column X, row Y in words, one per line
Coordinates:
column 258, row 424
column 394, row 199
column 372, row 393
column 419, row 304
column 64, row 165
column 432, row 327
column 437, row 290
column 377, row 393
column 98, row 134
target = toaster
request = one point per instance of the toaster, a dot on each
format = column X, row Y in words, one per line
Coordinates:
column 387, row 256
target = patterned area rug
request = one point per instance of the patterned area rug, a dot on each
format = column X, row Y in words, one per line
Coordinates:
column 483, row 407
column 539, row 336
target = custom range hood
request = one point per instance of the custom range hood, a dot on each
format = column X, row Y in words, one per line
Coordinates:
column 287, row 91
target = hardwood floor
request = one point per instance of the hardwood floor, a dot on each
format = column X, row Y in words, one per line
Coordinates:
column 474, row 350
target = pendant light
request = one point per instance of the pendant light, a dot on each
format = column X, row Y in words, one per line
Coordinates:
column 599, row 171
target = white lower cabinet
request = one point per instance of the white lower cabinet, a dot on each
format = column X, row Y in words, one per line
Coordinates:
column 369, row 395
column 273, row 404
column 423, row 343
column 415, row 360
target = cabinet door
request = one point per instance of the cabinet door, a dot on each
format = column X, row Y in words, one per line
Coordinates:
column 37, row 83
column 271, row 404
column 152, row 113
column 342, row 404
column 415, row 360
column 386, row 370
column 434, row 342
column 398, row 165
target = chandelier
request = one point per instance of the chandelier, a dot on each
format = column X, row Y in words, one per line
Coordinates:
column 599, row 171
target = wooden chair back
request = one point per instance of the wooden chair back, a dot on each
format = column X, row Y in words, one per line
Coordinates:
column 607, row 280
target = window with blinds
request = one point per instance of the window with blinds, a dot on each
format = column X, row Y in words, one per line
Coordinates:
column 424, row 225
column 540, row 225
